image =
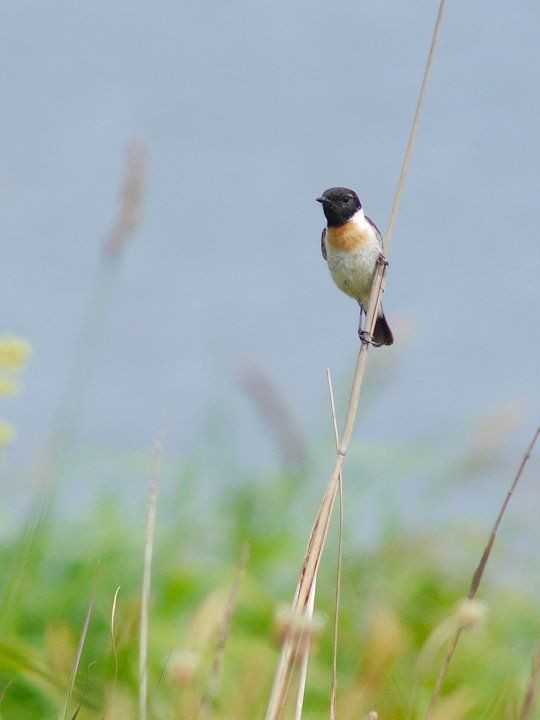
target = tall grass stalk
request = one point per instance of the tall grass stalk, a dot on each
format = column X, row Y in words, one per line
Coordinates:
column 333, row 692
column 305, row 654
column 320, row 529
column 477, row 577
column 147, row 580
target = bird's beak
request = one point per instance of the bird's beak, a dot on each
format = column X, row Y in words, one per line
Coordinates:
column 322, row 199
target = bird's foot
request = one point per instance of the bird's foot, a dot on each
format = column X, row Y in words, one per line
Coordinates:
column 382, row 260
column 366, row 338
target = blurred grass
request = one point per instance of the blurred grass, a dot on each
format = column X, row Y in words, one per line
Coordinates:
column 399, row 594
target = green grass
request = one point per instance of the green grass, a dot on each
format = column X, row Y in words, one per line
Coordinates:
column 399, row 590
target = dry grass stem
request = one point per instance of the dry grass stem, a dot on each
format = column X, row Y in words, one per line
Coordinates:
column 477, row 577
column 65, row 707
column 146, row 581
column 305, row 655
column 223, row 635
column 320, row 529
column 479, row 572
column 530, row 694
column 333, row 693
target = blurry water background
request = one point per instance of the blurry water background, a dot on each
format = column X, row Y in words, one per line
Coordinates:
column 250, row 110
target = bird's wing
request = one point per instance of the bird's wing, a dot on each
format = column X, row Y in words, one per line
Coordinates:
column 379, row 235
column 323, row 246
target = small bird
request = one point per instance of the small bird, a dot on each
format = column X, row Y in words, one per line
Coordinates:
column 351, row 243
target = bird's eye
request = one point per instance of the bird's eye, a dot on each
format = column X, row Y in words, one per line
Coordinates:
column 346, row 198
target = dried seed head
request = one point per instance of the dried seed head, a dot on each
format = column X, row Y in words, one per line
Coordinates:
column 131, row 200
column 471, row 613
column 298, row 627
column 183, row 667
column 385, row 640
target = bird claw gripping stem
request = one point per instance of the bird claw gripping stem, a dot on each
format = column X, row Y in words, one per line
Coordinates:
column 382, row 260
column 366, row 338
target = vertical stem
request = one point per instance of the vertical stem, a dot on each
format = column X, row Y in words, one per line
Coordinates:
column 320, row 528
column 146, row 582
column 478, row 575
column 333, row 695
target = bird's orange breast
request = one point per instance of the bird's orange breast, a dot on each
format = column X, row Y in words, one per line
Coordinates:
column 349, row 236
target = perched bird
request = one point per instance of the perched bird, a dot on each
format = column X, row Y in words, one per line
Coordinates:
column 352, row 245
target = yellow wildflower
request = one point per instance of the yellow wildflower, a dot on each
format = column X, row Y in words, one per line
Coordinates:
column 8, row 386
column 14, row 351
column 7, row 433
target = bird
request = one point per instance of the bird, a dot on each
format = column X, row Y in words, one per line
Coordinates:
column 352, row 245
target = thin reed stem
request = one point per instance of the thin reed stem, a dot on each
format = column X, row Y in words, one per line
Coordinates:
column 305, row 655
column 478, row 575
column 340, row 556
column 65, row 707
column 160, row 678
column 146, row 581
column 320, row 529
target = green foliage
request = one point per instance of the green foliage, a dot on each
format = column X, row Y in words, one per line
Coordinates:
column 399, row 599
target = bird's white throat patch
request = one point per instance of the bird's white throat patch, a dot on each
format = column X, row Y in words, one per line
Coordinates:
column 359, row 218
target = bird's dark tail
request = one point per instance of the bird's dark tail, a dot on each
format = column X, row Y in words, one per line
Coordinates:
column 382, row 335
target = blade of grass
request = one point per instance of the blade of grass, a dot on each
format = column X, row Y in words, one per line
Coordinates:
column 114, row 649
column 113, row 639
column 320, row 529
column 17, row 660
column 478, row 575
column 4, row 691
column 340, row 556
column 160, row 678
column 147, row 579
column 65, row 707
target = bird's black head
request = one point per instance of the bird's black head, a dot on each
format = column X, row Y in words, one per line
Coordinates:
column 339, row 205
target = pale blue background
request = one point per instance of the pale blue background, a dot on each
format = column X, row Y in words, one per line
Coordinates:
column 250, row 110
